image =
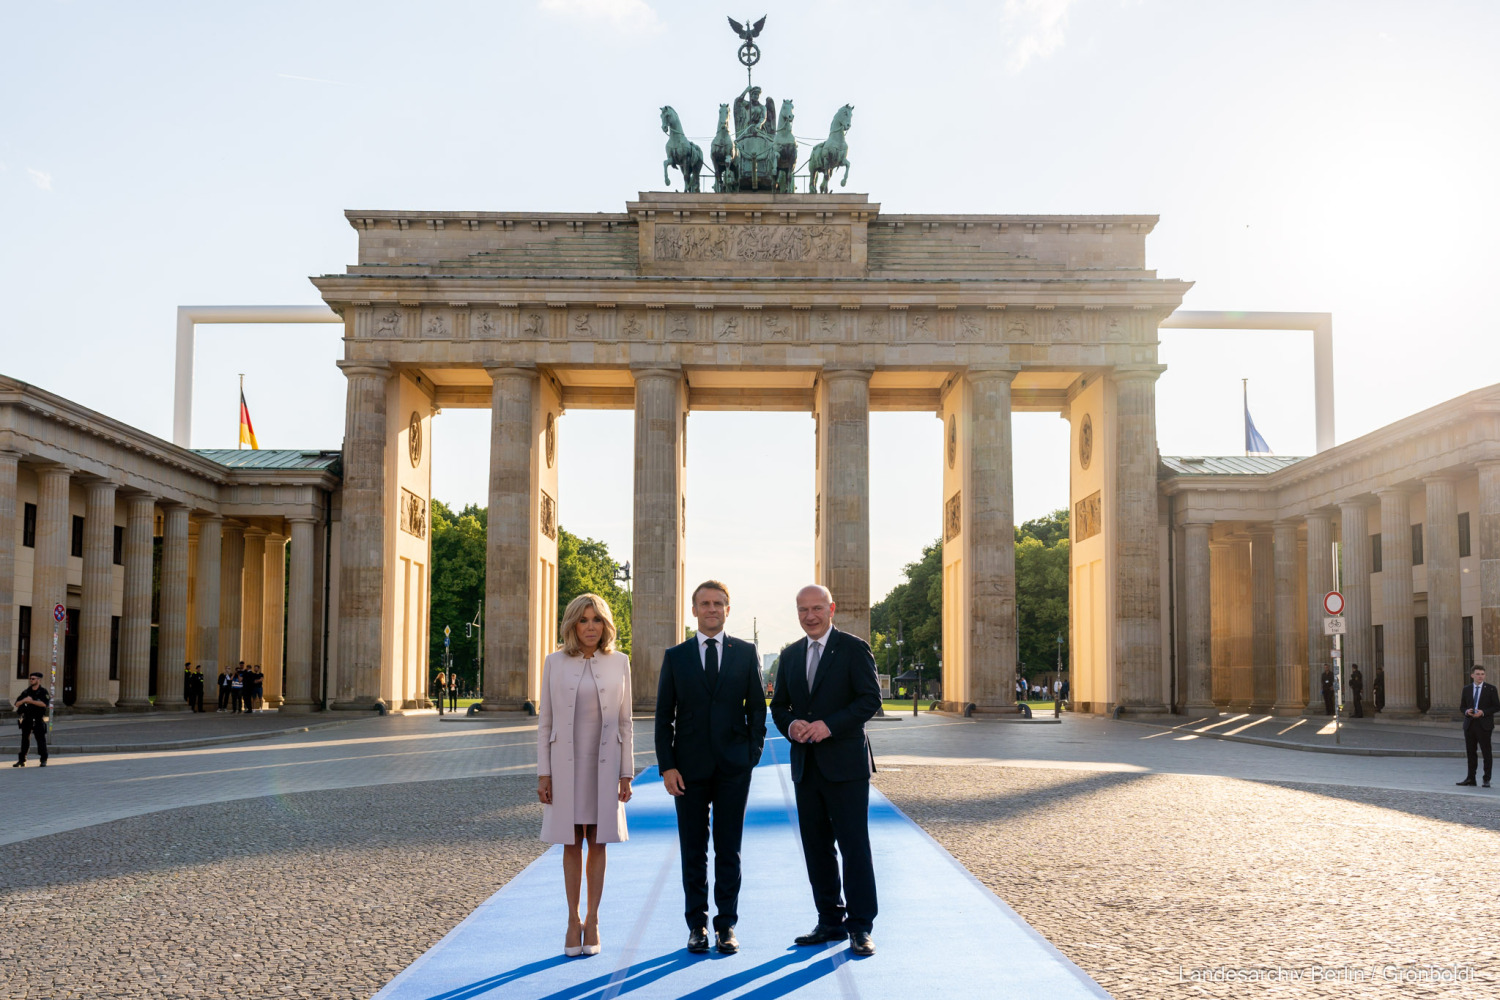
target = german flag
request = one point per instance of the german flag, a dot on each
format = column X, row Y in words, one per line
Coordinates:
column 247, row 429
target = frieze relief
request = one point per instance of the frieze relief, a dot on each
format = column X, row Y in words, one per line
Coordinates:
column 752, row 243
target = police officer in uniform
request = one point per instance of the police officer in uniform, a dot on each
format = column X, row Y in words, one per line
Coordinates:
column 1357, row 691
column 1328, row 690
column 33, row 704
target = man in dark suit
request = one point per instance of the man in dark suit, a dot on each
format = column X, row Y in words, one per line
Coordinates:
column 826, row 690
column 1357, row 692
column 1479, row 702
column 710, row 730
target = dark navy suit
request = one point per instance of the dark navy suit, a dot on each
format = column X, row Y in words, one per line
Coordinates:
column 1479, row 728
column 833, row 777
column 713, row 736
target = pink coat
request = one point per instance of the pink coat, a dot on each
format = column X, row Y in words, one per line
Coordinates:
column 555, row 751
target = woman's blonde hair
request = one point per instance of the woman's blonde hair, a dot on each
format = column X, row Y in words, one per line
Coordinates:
column 569, row 632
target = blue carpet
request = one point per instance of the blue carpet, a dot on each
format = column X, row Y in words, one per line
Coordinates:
column 939, row 934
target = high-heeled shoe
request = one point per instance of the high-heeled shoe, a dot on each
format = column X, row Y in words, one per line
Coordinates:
column 573, row 950
column 591, row 949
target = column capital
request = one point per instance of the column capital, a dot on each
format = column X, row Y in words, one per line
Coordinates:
column 1259, row 529
column 1488, row 465
column 1441, row 477
column 1005, row 372
column 1356, row 503
column 847, row 371
column 142, row 503
column 1135, row 373
column 1392, row 491
column 511, row 369
column 1318, row 515
column 655, row 370
column 208, row 516
column 275, row 536
column 302, row 520
column 369, row 369
column 251, row 531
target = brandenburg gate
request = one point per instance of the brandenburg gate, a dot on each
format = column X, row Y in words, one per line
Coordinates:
column 752, row 300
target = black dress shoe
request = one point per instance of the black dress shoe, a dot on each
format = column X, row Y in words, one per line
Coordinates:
column 1466, row 781
column 698, row 940
column 822, row 934
column 860, row 943
column 19, row 763
column 728, row 943
column 1486, row 780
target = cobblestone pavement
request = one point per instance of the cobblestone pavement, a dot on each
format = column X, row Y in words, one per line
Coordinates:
column 318, row 864
column 322, row 894
column 1151, row 882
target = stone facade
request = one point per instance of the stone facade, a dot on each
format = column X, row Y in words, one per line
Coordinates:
column 92, row 510
column 1393, row 520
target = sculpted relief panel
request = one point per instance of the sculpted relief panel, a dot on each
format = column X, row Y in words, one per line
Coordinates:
column 752, row 243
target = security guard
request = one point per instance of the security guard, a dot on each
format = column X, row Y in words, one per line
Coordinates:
column 33, row 705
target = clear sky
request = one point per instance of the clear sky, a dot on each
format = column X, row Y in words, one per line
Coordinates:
column 1328, row 156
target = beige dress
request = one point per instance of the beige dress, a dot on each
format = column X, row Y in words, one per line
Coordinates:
column 585, row 764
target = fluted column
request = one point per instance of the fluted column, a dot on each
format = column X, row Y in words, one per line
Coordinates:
column 1399, row 607
column 511, row 526
column 1242, row 641
column 1289, row 687
column 171, row 635
column 362, row 569
column 8, row 532
column 1219, row 557
column 1263, row 620
column 49, row 588
column 1354, row 584
column 206, row 600
column 273, row 616
column 231, row 594
column 843, row 488
column 1489, row 569
column 300, row 601
column 135, row 622
column 1319, row 582
column 657, row 546
column 1444, row 617
column 1136, row 550
column 98, row 589
column 989, row 539
column 252, row 599
column 1198, row 598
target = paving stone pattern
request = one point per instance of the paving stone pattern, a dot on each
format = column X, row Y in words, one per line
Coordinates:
column 322, row 894
column 1143, row 878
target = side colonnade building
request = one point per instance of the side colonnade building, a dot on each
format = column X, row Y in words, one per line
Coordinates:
column 1404, row 522
column 159, row 556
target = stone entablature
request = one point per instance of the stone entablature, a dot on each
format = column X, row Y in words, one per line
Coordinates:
column 665, row 233
column 1451, row 437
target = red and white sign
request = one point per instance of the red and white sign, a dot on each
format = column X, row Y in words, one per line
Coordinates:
column 59, row 612
column 1333, row 603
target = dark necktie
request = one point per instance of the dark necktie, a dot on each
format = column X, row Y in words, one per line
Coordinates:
column 711, row 663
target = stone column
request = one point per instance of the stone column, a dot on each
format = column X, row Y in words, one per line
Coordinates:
column 1400, row 611
column 1489, row 569
column 135, row 622
column 206, row 602
column 1198, row 605
column 98, row 589
column 990, row 545
column 362, row 569
column 252, row 598
column 171, row 636
column 8, row 533
column 231, row 594
column 843, row 496
column 49, row 587
column 1242, row 639
column 300, row 602
column 1135, row 548
column 1263, row 620
column 1444, row 617
column 512, row 524
column 273, row 614
column 658, row 540
column 1354, row 584
column 1319, row 583
column 1219, row 557
column 1290, row 698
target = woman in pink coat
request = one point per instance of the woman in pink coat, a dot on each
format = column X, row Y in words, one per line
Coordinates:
column 585, row 755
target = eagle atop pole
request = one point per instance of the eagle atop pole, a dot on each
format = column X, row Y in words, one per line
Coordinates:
column 749, row 51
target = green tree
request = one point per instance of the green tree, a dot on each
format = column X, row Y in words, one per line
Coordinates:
column 458, row 561
column 914, row 610
column 585, row 567
column 1042, row 571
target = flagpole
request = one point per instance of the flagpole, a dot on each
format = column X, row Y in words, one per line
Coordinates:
column 1244, row 411
column 239, row 418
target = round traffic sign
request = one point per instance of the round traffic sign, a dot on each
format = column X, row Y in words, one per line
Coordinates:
column 1333, row 603
column 59, row 612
